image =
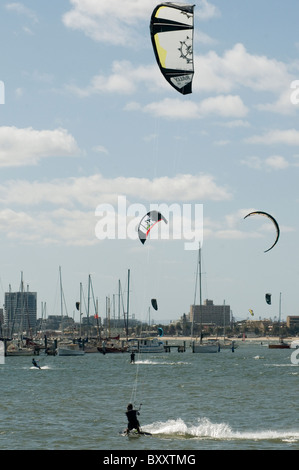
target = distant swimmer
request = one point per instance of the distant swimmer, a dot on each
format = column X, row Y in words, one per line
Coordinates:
column 35, row 363
column 133, row 422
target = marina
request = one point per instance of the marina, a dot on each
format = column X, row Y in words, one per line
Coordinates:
column 214, row 402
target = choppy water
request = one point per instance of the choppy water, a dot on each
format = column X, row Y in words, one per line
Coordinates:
column 242, row 400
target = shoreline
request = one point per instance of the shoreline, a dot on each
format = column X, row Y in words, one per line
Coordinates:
column 257, row 339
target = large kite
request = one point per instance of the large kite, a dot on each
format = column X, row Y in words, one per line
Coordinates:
column 171, row 28
column 147, row 222
column 268, row 298
column 265, row 214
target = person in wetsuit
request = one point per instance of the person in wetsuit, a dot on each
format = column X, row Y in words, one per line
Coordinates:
column 35, row 363
column 133, row 422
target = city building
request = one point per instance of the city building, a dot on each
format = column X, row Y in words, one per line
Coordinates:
column 20, row 311
column 209, row 314
column 292, row 321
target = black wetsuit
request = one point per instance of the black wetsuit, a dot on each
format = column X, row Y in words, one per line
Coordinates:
column 133, row 422
column 35, row 363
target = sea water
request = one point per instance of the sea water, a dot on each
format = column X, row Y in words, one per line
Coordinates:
column 246, row 399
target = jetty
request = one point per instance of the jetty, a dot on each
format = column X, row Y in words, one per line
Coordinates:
column 178, row 347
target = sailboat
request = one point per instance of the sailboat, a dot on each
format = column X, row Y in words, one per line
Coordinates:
column 226, row 343
column 67, row 348
column 281, row 344
column 200, row 347
column 113, row 344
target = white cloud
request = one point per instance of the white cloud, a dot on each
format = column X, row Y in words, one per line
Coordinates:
column 273, row 162
column 96, row 20
column 93, row 190
column 63, row 211
column 236, row 123
column 51, row 227
column 206, row 10
column 126, row 25
column 173, row 108
column 100, row 149
column 236, row 69
column 281, row 105
column 277, row 136
column 277, row 162
column 224, row 106
column 124, row 79
column 239, row 68
column 22, row 10
column 26, row 146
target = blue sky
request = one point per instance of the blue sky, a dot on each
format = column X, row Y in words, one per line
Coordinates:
column 88, row 117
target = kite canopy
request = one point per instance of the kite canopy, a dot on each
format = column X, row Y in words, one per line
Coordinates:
column 147, row 222
column 154, row 304
column 265, row 214
column 171, row 28
column 268, row 298
column 160, row 331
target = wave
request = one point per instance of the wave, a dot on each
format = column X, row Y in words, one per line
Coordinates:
column 41, row 367
column 153, row 362
column 206, row 429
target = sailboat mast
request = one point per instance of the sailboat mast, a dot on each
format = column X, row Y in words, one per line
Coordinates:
column 80, row 308
column 198, row 274
column 200, row 292
column 128, row 296
column 279, row 318
column 61, row 299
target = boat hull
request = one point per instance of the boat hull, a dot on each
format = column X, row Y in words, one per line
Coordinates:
column 146, row 345
column 108, row 350
column 205, row 348
column 70, row 352
column 20, row 352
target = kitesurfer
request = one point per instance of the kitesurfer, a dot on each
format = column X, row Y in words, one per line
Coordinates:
column 132, row 358
column 35, row 363
column 133, row 422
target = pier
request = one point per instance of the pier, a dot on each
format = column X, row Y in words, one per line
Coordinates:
column 179, row 347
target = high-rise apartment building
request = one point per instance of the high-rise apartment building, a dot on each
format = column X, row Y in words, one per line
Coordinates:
column 210, row 314
column 20, row 311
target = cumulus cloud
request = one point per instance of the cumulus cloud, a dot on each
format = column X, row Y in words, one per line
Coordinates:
column 124, row 78
column 26, row 146
column 126, row 25
column 276, row 136
column 225, row 106
column 273, row 162
column 220, row 75
column 63, row 211
column 92, row 190
column 239, row 68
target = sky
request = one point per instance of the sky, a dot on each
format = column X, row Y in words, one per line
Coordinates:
column 87, row 121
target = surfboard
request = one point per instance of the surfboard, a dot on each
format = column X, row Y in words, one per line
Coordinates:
column 134, row 433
